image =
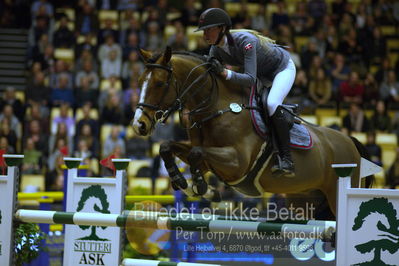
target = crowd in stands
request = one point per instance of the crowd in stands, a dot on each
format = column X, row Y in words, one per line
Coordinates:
column 83, row 68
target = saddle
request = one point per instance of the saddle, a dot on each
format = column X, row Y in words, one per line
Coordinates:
column 300, row 137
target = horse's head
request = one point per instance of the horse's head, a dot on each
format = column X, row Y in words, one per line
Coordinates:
column 157, row 96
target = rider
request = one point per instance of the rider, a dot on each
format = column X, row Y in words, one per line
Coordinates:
column 262, row 59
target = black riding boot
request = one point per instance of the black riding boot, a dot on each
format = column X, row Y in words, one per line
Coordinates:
column 281, row 129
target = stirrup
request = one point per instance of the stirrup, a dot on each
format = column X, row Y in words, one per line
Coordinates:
column 284, row 167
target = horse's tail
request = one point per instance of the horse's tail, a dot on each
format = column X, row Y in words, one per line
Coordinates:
column 365, row 154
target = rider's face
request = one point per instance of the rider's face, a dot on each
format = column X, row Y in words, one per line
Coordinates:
column 211, row 34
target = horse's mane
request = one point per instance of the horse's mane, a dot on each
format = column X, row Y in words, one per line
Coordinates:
column 191, row 54
column 156, row 56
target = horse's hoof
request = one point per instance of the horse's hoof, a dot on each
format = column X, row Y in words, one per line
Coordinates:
column 200, row 188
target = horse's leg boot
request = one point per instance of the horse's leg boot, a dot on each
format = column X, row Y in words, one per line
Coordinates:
column 284, row 163
column 177, row 179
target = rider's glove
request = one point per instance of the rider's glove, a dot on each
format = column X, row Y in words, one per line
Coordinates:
column 215, row 65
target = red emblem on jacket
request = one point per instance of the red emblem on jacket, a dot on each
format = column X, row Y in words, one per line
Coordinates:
column 248, row 46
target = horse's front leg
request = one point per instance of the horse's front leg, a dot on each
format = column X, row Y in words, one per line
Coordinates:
column 194, row 157
column 197, row 168
column 168, row 150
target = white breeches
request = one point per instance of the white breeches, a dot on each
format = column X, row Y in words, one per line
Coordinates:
column 281, row 86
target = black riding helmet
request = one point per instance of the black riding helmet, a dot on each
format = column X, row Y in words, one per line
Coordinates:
column 213, row 17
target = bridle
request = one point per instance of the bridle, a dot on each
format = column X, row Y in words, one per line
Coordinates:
column 161, row 115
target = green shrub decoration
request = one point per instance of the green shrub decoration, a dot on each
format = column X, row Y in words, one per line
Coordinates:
column 28, row 237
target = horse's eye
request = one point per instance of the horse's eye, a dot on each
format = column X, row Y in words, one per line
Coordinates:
column 159, row 84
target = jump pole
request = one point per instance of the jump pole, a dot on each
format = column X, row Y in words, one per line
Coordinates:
column 180, row 225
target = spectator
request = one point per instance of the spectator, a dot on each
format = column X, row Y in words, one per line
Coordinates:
column 40, row 113
column 392, row 176
column 32, row 158
column 131, row 46
column 90, row 75
column 129, row 65
column 88, row 120
column 111, row 66
column 299, row 90
column 319, row 38
column 63, row 118
column 63, row 93
column 10, row 98
column 54, row 179
column 153, row 39
column 107, row 31
column 85, row 94
column 4, row 146
column 60, row 141
column 40, row 27
column 380, row 121
column 356, row 120
column 280, row 17
column 107, row 47
column 299, row 19
column 90, row 142
column 113, row 140
column 258, row 21
column 86, row 55
column 339, row 73
column 6, row 131
column 86, row 20
column 350, row 48
column 46, row 59
column 8, row 115
column 39, row 137
column 371, row 90
column 307, row 55
column 316, row 64
column 190, row 14
column 38, row 4
column 37, row 91
column 373, row 149
column 320, row 88
column 381, row 75
column 61, row 69
column 352, row 90
column 113, row 87
column 113, row 111
column 389, row 90
column 63, row 36
column 133, row 28
column 317, row 9
column 178, row 41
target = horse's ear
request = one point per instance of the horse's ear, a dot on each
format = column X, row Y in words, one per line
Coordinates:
column 167, row 55
column 145, row 55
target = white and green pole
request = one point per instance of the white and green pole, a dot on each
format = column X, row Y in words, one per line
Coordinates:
column 314, row 231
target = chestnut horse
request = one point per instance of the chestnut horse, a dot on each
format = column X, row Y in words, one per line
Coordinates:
column 222, row 138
